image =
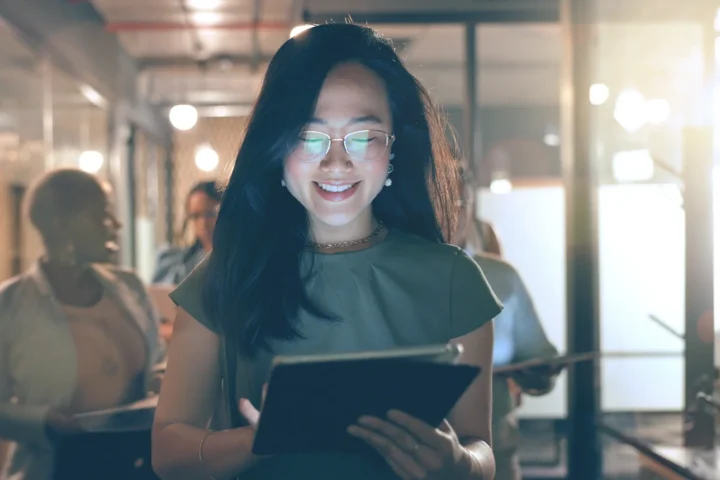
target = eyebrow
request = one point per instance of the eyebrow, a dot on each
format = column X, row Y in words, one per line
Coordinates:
column 354, row 120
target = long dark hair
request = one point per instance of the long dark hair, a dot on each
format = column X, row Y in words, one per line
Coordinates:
column 253, row 288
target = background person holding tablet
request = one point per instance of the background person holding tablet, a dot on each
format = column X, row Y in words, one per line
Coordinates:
column 519, row 337
column 330, row 238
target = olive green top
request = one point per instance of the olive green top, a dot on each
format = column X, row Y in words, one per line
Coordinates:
column 403, row 291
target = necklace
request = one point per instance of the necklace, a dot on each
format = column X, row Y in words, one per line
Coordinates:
column 328, row 246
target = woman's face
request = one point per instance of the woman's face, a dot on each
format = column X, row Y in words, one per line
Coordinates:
column 337, row 188
column 202, row 214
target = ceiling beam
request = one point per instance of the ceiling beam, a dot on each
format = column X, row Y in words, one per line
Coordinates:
column 121, row 27
column 433, row 12
column 549, row 15
column 216, row 62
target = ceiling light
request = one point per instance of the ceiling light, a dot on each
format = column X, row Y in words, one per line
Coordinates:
column 90, row 161
column 93, row 96
column 657, row 110
column 183, row 117
column 501, row 186
column 599, row 93
column 206, row 159
column 203, row 4
column 299, row 29
column 206, row 19
column 552, row 139
column 630, row 111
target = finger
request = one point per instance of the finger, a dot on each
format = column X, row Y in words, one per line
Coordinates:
column 397, row 458
column 401, row 437
column 427, row 434
column 251, row 414
column 445, row 427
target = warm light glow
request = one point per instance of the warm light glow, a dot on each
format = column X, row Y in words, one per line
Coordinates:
column 206, row 159
column 633, row 166
column 599, row 93
column 299, row 29
column 90, row 161
column 93, row 96
column 630, row 111
column 183, row 117
column 552, row 139
column 206, row 19
column 501, row 186
column 203, row 4
column 657, row 110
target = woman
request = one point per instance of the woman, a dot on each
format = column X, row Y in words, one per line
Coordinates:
column 519, row 337
column 201, row 205
column 76, row 334
column 330, row 239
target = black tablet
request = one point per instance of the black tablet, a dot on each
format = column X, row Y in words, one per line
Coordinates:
column 311, row 400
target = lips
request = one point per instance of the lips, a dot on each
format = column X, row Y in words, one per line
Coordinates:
column 335, row 191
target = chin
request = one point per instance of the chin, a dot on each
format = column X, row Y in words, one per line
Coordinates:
column 339, row 219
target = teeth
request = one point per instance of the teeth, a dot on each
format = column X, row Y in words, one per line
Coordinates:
column 334, row 188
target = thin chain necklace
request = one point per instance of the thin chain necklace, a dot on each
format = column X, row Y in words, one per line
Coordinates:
column 329, row 246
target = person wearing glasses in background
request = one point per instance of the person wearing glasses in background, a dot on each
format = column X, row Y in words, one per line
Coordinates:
column 519, row 336
column 201, row 206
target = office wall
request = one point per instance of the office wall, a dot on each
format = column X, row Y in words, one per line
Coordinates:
column 641, row 253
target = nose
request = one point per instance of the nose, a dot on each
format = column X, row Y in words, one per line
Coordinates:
column 337, row 160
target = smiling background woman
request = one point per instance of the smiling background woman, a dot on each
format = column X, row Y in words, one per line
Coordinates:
column 331, row 238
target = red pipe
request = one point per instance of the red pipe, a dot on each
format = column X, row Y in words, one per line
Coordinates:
column 159, row 26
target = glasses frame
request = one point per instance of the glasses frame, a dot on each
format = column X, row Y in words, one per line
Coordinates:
column 389, row 140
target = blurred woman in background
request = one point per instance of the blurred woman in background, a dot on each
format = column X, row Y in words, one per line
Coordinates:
column 201, row 207
column 76, row 333
column 519, row 336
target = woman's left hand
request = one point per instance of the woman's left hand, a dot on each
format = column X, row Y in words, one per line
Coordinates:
column 414, row 449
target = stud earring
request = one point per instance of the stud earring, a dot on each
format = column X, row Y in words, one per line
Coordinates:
column 392, row 155
column 282, row 182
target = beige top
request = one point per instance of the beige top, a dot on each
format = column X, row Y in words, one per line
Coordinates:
column 111, row 355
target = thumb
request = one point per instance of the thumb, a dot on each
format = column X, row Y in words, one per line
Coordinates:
column 251, row 414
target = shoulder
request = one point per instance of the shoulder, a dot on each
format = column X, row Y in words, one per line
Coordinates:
column 11, row 290
column 16, row 294
column 423, row 250
column 188, row 294
column 503, row 277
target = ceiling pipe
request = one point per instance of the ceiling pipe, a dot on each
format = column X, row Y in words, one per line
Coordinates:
column 119, row 27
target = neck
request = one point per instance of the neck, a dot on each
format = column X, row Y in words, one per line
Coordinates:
column 358, row 229
column 58, row 270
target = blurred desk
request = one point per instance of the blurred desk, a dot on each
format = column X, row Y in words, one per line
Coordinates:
column 659, row 461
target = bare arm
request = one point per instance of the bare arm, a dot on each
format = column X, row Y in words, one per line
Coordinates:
column 187, row 399
column 471, row 417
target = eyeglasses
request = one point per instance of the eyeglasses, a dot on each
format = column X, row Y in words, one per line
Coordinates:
column 207, row 214
column 360, row 146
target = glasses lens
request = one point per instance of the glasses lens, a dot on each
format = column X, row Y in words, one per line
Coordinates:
column 366, row 144
column 312, row 145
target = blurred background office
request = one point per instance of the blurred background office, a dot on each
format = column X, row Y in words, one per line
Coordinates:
column 587, row 125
